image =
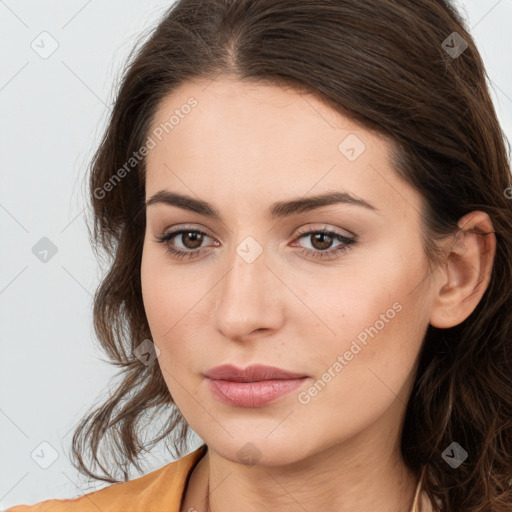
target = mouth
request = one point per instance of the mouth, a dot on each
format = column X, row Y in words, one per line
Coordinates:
column 254, row 386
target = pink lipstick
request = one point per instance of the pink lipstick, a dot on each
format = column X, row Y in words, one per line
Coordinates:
column 254, row 386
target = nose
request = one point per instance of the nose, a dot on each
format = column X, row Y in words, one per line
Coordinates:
column 250, row 298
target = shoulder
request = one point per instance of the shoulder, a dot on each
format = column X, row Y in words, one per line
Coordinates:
column 158, row 491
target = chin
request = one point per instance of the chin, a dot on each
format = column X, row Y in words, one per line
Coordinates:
column 254, row 450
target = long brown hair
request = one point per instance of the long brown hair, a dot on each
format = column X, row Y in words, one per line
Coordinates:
column 394, row 67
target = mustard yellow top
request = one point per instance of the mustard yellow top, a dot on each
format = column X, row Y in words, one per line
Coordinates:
column 159, row 491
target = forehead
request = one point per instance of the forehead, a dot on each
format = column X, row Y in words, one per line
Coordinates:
column 250, row 138
column 224, row 106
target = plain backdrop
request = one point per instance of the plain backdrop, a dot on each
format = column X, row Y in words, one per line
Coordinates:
column 60, row 60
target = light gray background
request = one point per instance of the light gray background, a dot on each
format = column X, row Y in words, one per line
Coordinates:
column 53, row 111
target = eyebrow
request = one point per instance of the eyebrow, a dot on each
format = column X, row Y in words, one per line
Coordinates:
column 279, row 209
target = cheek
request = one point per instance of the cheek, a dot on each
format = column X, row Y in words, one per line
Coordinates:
column 375, row 310
column 168, row 292
column 379, row 326
column 368, row 282
column 175, row 312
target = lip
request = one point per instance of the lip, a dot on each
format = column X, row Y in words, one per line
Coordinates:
column 254, row 386
column 253, row 373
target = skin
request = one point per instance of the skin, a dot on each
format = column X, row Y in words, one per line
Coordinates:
column 243, row 147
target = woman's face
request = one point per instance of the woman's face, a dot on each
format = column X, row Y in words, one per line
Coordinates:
column 260, row 285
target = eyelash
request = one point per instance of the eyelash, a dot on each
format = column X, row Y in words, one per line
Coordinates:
column 347, row 242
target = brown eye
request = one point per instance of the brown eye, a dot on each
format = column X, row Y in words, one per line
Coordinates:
column 321, row 241
column 183, row 243
column 192, row 239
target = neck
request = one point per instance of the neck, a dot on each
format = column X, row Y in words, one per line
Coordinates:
column 317, row 483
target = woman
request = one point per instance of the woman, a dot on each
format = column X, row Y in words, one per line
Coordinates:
column 307, row 208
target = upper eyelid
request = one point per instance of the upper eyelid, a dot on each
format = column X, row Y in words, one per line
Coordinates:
column 302, row 230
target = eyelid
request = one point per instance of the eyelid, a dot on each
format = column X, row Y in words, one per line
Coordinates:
column 319, row 226
column 185, row 227
column 312, row 226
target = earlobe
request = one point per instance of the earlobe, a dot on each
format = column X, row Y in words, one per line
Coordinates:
column 467, row 271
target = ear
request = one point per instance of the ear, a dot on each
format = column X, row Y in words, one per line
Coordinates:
column 466, row 272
